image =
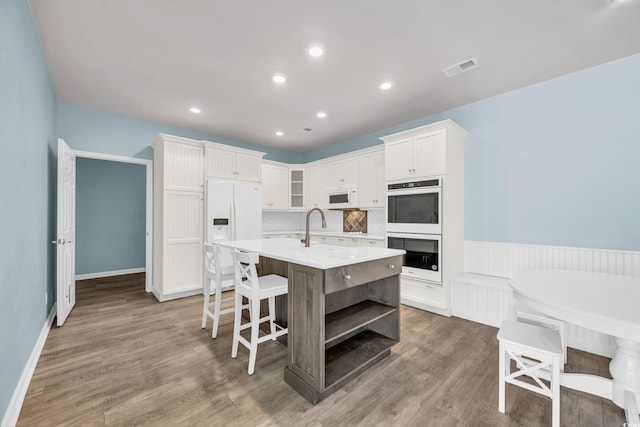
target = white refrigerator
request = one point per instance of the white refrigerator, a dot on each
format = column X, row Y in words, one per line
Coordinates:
column 234, row 212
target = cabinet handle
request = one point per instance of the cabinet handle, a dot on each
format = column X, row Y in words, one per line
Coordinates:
column 392, row 266
column 347, row 277
column 413, row 170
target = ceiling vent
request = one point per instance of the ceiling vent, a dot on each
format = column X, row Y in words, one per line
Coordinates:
column 461, row 67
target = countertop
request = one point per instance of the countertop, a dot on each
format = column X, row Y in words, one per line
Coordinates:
column 329, row 234
column 316, row 256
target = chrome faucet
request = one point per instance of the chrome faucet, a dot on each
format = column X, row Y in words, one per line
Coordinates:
column 307, row 239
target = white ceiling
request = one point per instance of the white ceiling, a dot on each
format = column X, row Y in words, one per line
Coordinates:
column 154, row 59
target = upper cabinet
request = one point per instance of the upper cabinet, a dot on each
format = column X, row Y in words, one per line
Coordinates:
column 223, row 161
column 296, row 188
column 275, row 181
column 316, row 186
column 425, row 151
column 181, row 163
column 371, row 183
column 343, row 173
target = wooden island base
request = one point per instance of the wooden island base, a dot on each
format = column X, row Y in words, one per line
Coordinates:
column 341, row 322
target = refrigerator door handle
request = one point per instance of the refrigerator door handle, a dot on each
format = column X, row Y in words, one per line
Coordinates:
column 233, row 219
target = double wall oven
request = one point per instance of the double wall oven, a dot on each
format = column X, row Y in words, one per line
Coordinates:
column 414, row 224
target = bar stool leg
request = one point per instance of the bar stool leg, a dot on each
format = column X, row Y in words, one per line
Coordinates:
column 555, row 391
column 272, row 316
column 255, row 328
column 236, row 325
column 502, row 367
column 216, row 314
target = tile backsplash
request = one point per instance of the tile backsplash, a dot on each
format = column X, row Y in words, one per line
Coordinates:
column 292, row 221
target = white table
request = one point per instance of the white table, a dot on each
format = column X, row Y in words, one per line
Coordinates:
column 605, row 303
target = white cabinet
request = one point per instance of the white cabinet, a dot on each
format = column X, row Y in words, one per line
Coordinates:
column 417, row 153
column 296, row 188
column 178, row 222
column 435, row 150
column 222, row 161
column 275, row 181
column 316, row 187
column 371, row 186
column 343, row 173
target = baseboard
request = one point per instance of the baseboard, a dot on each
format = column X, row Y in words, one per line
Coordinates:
column 15, row 405
column 177, row 295
column 110, row 273
column 422, row 306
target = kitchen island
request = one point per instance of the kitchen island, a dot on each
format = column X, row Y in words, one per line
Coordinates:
column 342, row 312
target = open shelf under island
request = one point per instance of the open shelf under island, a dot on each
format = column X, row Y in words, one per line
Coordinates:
column 342, row 309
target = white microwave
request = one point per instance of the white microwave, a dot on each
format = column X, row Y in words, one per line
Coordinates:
column 342, row 197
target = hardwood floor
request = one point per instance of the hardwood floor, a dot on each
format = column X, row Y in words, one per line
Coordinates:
column 122, row 358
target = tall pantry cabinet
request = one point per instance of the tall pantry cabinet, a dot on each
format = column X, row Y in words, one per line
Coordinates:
column 178, row 206
column 181, row 166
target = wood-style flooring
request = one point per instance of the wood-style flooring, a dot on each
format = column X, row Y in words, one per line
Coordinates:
column 122, row 359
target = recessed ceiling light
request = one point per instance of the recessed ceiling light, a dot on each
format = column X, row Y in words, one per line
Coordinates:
column 321, row 114
column 386, row 85
column 194, row 110
column 279, row 78
column 279, row 133
column 315, row 51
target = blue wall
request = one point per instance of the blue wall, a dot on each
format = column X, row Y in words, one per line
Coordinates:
column 27, row 217
column 111, row 214
column 88, row 129
column 555, row 163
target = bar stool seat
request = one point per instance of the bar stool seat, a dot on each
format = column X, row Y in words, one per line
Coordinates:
column 538, row 354
column 255, row 289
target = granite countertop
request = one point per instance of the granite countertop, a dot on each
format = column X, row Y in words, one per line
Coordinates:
column 316, row 256
column 329, row 234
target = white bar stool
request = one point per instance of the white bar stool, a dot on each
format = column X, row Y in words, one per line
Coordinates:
column 537, row 351
column 255, row 289
column 214, row 275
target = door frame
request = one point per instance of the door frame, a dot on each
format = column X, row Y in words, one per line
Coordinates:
column 148, row 285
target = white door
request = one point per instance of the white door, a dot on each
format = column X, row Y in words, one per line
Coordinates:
column 66, row 232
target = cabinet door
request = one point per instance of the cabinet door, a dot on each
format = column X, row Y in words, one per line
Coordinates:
column 316, row 187
column 248, row 168
column 429, row 154
column 343, row 173
column 183, row 229
column 398, row 159
column 296, row 188
column 183, row 167
column 219, row 163
column 371, row 185
column 275, row 181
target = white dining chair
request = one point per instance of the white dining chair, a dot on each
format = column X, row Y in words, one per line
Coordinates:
column 215, row 275
column 255, row 289
column 526, row 314
column 537, row 352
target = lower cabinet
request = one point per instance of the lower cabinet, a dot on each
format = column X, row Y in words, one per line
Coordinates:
column 423, row 295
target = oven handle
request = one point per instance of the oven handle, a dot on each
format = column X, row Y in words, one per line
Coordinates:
column 416, row 236
column 419, row 190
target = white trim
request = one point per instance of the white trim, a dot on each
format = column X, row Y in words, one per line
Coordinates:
column 177, row 295
column 412, row 302
column 109, row 273
column 149, row 203
column 15, row 405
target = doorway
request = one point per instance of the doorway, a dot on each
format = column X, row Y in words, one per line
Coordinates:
column 96, row 160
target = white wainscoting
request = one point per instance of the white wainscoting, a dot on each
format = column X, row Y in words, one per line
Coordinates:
column 487, row 299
